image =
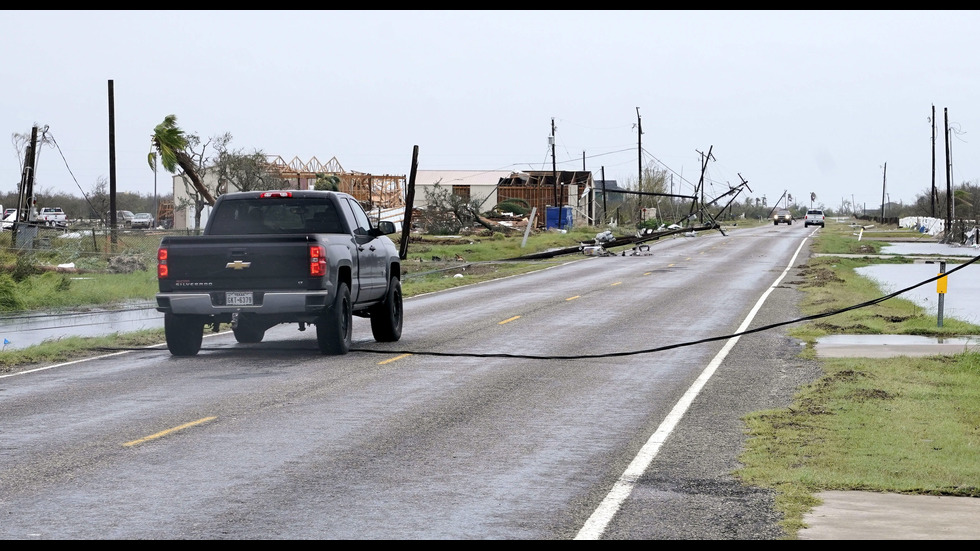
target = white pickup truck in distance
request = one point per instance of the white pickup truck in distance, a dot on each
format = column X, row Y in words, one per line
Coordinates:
column 814, row 217
column 53, row 216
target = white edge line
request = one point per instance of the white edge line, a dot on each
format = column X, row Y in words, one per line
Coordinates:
column 47, row 367
column 596, row 524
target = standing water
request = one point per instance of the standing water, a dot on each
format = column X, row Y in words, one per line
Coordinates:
column 22, row 330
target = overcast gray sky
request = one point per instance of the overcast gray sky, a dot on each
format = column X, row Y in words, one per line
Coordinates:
column 835, row 103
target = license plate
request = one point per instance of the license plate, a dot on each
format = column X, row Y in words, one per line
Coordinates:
column 238, row 299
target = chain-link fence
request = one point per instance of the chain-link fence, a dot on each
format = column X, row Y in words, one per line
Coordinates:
column 93, row 248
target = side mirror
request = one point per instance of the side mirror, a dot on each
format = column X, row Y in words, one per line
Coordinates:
column 386, row 227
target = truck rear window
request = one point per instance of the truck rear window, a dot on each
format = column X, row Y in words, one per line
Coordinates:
column 275, row 216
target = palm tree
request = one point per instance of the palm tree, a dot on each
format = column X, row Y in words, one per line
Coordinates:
column 170, row 142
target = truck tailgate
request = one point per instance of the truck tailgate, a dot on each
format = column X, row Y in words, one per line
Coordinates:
column 268, row 262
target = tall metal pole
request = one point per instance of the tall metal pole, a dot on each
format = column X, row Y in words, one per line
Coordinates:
column 112, row 166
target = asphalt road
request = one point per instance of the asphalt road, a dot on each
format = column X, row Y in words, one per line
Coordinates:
column 509, row 410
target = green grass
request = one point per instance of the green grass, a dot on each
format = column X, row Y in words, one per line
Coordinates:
column 74, row 348
column 907, row 425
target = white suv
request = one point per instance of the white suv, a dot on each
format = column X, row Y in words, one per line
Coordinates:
column 814, row 217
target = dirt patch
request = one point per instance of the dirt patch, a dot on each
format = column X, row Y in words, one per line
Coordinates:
column 818, row 276
column 865, row 394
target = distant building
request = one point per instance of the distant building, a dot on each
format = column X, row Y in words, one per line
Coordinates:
column 575, row 189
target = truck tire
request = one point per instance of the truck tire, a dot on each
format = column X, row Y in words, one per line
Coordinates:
column 184, row 333
column 386, row 317
column 248, row 332
column 334, row 327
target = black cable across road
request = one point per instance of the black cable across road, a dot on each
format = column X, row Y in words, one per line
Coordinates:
column 632, row 352
column 673, row 346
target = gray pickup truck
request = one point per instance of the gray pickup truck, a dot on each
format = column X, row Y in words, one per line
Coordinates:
column 287, row 256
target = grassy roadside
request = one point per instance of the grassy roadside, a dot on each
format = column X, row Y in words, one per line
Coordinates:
column 904, row 425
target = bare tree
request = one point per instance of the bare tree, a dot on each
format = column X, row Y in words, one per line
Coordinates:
column 240, row 171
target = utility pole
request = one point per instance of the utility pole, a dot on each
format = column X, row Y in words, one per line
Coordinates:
column 639, row 152
column 932, row 198
column 949, row 185
column 704, row 166
column 25, row 196
column 112, row 166
column 554, row 175
column 883, row 171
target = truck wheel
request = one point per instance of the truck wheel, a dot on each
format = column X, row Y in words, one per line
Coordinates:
column 386, row 317
column 334, row 327
column 184, row 333
column 248, row 332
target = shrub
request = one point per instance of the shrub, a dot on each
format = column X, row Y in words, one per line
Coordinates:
column 9, row 297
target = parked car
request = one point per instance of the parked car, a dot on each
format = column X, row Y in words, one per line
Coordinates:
column 10, row 215
column 814, row 217
column 142, row 220
column 782, row 216
column 124, row 218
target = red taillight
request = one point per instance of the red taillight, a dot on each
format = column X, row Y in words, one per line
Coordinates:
column 267, row 194
column 318, row 261
column 162, row 271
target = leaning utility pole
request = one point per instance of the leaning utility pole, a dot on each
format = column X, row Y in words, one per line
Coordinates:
column 883, row 171
column 409, row 206
column 25, row 195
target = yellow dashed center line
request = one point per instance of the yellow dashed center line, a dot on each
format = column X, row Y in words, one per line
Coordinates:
column 508, row 320
column 388, row 361
column 573, row 298
column 617, row 283
column 163, row 433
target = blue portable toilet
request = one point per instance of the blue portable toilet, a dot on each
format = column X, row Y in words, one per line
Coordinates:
column 552, row 220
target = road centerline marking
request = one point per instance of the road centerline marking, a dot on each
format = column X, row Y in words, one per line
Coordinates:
column 396, row 358
column 163, row 433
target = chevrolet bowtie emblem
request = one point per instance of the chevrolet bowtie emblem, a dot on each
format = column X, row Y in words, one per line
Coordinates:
column 238, row 265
